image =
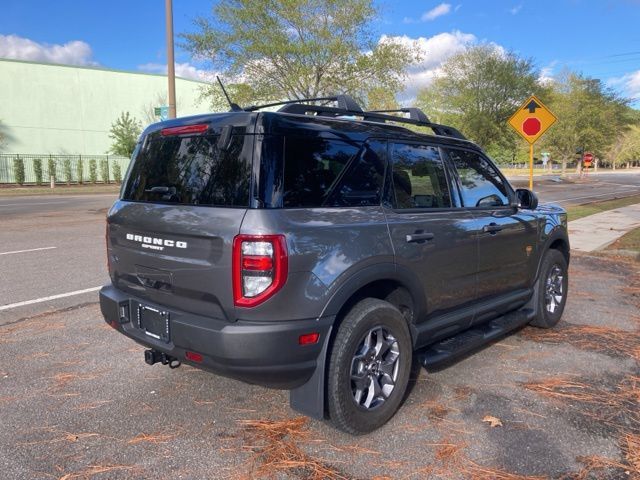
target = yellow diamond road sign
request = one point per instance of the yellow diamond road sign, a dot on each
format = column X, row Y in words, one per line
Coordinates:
column 532, row 119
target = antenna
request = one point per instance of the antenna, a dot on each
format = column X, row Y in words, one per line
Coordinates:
column 234, row 106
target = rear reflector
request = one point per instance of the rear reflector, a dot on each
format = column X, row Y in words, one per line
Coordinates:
column 309, row 338
column 184, row 129
column 193, row 356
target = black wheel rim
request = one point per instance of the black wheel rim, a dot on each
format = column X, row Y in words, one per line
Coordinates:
column 554, row 289
column 374, row 368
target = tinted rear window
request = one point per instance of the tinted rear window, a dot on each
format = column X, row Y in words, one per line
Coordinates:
column 191, row 171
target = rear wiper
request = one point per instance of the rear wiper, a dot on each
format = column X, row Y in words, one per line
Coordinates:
column 161, row 189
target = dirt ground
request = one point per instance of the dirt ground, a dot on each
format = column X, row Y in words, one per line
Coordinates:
column 77, row 401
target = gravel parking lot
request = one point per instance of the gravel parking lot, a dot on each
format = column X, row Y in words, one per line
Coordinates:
column 78, row 401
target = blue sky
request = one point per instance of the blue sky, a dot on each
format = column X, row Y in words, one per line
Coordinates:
column 599, row 38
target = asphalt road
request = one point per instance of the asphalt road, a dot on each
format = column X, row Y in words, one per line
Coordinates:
column 575, row 190
column 50, row 246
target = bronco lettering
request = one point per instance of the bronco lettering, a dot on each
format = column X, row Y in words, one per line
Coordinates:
column 148, row 242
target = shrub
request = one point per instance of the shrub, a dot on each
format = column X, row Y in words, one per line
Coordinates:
column 18, row 170
column 104, row 170
column 80, row 170
column 37, row 170
column 67, row 170
column 93, row 171
column 117, row 172
column 52, row 168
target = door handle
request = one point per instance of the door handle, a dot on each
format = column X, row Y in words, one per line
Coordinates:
column 492, row 228
column 420, row 237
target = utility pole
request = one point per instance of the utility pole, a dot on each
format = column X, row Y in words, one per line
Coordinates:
column 171, row 68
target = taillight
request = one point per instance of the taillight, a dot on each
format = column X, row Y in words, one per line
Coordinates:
column 259, row 268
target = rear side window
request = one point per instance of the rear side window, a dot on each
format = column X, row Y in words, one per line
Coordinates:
column 481, row 186
column 419, row 179
column 191, row 171
column 313, row 170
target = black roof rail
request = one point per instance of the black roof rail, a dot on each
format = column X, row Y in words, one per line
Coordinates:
column 347, row 106
column 414, row 113
column 321, row 110
column 345, row 102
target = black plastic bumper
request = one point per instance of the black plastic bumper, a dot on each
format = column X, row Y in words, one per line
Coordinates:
column 266, row 353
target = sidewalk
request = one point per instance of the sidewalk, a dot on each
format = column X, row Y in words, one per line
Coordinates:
column 596, row 232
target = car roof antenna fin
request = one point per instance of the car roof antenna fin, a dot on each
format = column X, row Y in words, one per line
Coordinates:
column 234, row 106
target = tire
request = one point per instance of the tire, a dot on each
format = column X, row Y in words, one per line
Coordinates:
column 374, row 344
column 553, row 287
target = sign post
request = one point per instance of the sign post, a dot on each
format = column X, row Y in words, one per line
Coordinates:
column 531, row 120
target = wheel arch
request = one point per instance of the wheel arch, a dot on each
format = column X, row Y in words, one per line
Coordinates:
column 393, row 282
column 557, row 240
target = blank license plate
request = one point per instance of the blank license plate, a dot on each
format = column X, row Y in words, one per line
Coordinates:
column 154, row 322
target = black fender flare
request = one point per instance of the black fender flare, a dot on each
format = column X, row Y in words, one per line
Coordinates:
column 557, row 233
column 309, row 398
column 345, row 289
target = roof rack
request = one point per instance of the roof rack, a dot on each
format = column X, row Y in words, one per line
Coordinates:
column 347, row 106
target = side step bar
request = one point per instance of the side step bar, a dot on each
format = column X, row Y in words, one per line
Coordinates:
column 469, row 340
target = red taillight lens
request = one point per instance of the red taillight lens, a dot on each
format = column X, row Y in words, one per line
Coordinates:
column 260, row 268
column 184, row 129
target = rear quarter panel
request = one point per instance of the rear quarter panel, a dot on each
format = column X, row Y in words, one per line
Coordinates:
column 326, row 247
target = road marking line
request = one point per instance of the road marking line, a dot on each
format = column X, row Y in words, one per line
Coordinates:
column 27, row 204
column 30, row 250
column 46, row 299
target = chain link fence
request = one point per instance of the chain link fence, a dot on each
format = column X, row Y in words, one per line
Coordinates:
column 66, row 169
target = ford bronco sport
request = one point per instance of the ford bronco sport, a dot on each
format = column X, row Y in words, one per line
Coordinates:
column 325, row 249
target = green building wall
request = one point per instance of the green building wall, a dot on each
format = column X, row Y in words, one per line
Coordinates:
column 61, row 109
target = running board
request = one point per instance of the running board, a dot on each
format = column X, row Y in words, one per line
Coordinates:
column 469, row 340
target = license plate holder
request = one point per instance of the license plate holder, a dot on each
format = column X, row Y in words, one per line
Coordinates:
column 154, row 322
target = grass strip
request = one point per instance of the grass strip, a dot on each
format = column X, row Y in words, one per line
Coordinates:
column 575, row 212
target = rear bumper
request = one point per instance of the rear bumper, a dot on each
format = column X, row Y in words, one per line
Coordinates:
column 263, row 353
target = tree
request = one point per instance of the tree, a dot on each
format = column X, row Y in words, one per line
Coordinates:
column 625, row 148
column 590, row 117
column 381, row 98
column 292, row 49
column 477, row 91
column 124, row 133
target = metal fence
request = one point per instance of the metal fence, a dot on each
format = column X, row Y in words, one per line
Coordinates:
column 38, row 169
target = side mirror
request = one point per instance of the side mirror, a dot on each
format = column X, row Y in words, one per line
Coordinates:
column 526, row 199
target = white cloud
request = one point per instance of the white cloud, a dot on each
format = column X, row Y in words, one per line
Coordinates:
column 515, row 10
column 438, row 11
column 546, row 76
column 184, row 70
column 629, row 84
column 434, row 51
column 71, row 53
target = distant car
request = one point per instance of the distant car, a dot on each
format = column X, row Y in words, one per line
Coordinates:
column 323, row 249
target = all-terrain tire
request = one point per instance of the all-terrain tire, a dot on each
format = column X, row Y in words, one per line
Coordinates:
column 553, row 287
column 372, row 327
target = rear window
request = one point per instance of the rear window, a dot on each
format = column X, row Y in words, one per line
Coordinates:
column 191, row 171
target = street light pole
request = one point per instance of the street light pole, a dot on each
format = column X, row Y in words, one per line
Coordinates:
column 171, row 68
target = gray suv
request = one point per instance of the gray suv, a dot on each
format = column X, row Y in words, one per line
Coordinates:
column 325, row 250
